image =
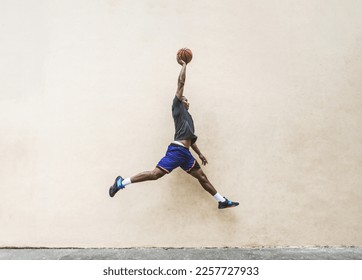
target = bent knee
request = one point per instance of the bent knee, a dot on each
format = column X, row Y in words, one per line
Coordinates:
column 202, row 177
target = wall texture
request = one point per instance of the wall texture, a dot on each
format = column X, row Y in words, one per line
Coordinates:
column 85, row 95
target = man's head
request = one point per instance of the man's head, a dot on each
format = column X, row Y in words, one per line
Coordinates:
column 185, row 102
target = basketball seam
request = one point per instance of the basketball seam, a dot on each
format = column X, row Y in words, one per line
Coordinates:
column 183, row 55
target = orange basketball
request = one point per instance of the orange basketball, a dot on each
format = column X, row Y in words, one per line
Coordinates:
column 185, row 54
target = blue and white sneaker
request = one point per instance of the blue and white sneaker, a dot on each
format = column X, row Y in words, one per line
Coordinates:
column 116, row 186
column 227, row 204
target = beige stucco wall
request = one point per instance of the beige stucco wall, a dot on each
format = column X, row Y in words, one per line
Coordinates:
column 85, row 95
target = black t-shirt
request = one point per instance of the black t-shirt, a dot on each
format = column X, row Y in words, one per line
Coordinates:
column 184, row 125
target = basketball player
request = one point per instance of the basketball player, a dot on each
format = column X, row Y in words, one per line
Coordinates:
column 178, row 153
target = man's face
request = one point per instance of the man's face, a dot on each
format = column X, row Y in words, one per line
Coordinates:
column 185, row 102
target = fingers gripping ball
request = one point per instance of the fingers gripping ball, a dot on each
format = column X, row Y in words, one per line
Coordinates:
column 185, row 54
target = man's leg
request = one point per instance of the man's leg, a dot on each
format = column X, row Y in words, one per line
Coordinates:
column 206, row 184
column 155, row 174
column 120, row 183
column 204, row 181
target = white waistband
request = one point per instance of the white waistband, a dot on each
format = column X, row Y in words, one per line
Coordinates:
column 178, row 143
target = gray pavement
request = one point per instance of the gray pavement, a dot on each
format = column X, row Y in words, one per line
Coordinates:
column 313, row 253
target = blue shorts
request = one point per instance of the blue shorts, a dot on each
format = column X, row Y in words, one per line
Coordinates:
column 177, row 156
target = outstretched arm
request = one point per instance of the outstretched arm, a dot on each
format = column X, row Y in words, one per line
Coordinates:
column 197, row 151
column 181, row 79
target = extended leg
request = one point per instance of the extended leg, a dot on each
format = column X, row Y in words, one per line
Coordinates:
column 119, row 183
column 148, row 175
column 204, row 181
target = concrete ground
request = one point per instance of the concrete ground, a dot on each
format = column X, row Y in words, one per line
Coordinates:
column 314, row 253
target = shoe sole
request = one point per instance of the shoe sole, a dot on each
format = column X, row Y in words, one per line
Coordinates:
column 231, row 206
column 110, row 192
column 114, row 186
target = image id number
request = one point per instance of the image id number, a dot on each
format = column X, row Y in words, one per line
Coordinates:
column 222, row 270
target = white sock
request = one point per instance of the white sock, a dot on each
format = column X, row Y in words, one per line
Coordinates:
column 219, row 197
column 126, row 182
